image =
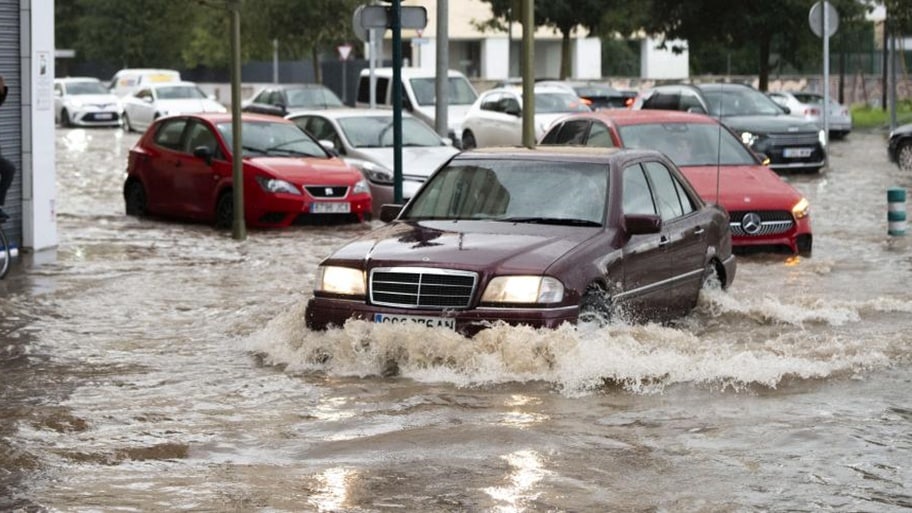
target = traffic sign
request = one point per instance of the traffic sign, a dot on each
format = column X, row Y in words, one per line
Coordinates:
column 344, row 51
column 815, row 18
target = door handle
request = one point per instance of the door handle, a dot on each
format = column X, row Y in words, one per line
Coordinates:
column 699, row 230
column 663, row 241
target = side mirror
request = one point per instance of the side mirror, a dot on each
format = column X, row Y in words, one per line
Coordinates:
column 203, row 152
column 642, row 224
column 329, row 146
column 697, row 110
column 389, row 212
column 785, row 109
column 147, row 99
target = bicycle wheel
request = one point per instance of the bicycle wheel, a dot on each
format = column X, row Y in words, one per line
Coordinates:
column 4, row 254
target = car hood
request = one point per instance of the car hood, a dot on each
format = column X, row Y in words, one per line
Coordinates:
column 770, row 124
column 416, row 160
column 455, row 115
column 742, row 187
column 93, row 99
column 469, row 245
column 189, row 106
column 307, row 170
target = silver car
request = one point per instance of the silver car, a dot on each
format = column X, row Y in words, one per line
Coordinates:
column 364, row 138
column 85, row 101
column 808, row 106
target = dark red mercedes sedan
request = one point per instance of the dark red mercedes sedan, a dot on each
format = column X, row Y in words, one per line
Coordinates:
column 182, row 167
column 536, row 237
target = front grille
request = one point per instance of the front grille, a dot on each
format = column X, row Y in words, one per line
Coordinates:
column 420, row 287
column 794, row 139
column 771, row 222
column 101, row 116
column 327, row 191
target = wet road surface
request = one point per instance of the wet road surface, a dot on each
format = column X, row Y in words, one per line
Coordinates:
column 148, row 365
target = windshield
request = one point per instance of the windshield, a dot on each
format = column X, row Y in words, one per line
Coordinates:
column 263, row 138
column 695, row 144
column 548, row 103
column 180, row 92
column 459, row 91
column 312, row 97
column 377, row 132
column 739, row 102
column 86, row 88
column 518, row 191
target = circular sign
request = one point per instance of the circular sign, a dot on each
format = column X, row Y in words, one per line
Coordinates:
column 815, row 18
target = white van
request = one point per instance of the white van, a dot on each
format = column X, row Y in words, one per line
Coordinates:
column 419, row 92
column 127, row 81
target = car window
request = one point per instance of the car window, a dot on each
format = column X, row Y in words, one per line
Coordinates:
column 377, row 132
column 275, row 139
column 144, row 93
column 320, row 128
column 572, row 133
column 689, row 144
column 514, row 191
column 739, row 101
column 180, row 93
column 459, row 91
column 666, row 191
column 690, row 102
column 85, row 88
column 198, row 135
column 383, row 84
column 169, row 133
column 508, row 104
column 490, row 102
column 600, row 136
column 558, row 102
column 637, row 197
column 312, row 97
column 262, row 97
column 663, row 101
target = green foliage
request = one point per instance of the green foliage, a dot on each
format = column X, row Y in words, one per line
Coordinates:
column 866, row 117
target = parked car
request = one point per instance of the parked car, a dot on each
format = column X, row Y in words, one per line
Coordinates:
column 127, row 81
column 419, row 95
column 536, row 237
column 789, row 143
column 808, row 106
column 281, row 100
column 764, row 210
column 163, row 99
column 84, row 101
column 181, row 167
column 597, row 95
column 495, row 119
column 364, row 138
column 899, row 147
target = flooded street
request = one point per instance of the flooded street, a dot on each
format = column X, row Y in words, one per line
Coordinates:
column 148, row 365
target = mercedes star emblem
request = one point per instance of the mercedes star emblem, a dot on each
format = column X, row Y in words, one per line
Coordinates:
column 751, row 223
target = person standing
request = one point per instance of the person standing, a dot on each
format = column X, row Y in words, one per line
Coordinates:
column 7, row 170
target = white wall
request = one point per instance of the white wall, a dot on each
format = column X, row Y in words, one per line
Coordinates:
column 495, row 54
column 658, row 64
column 39, row 191
column 586, row 57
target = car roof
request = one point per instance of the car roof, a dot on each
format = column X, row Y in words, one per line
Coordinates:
column 77, row 79
column 410, row 72
column 625, row 117
column 558, row 153
column 225, row 117
column 346, row 112
column 156, row 85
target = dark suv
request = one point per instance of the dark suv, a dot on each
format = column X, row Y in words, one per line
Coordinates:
column 789, row 142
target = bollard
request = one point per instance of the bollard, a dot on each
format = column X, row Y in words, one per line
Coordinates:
column 896, row 211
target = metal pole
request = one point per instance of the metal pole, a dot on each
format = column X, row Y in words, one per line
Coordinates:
column 239, row 229
column 396, row 25
column 443, row 65
column 275, row 61
column 528, row 74
column 826, row 73
column 893, row 67
column 374, row 34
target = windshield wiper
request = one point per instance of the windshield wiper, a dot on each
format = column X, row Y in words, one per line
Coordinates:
column 254, row 148
column 286, row 143
column 297, row 153
column 550, row 220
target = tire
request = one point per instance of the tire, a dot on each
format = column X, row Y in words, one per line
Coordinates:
column 712, row 276
column 126, row 123
column 596, row 306
column 135, row 199
column 805, row 245
column 4, row 255
column 224, row 211
column 904, row 155
column 65, row 120
column 468, row 141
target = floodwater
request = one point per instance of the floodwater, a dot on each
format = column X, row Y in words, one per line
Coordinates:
column 159, row 366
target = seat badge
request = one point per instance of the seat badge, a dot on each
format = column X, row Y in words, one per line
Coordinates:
column 328, row 191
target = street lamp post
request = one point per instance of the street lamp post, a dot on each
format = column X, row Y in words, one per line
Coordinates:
column 239, row 229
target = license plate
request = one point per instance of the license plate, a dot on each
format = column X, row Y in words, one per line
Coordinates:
column 797, row 153
column 104, row 115
column 430, row 322
column 333, row 207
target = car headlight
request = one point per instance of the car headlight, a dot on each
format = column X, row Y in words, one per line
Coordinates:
column 373, row 172
column 75, row 104
column 361, row 187
column 523, row 289
column 801, row 209
column 748, row 139
column 275, row 185
column 822, row 136
column 340, row 280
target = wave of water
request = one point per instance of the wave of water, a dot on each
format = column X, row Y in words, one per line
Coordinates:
column 804, row 340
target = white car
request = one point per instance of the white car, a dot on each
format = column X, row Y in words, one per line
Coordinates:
column 808, row 106
column 364, row 138
column 84, row 101
column 156, row 100
column 495, row 119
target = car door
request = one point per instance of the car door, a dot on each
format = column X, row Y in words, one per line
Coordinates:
column 162, row 163
column 646, row 265
column 195, row 178
column 507, row 121
column 142, row 112
column 684, row 236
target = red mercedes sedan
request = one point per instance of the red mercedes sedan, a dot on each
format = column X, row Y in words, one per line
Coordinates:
column 181, row 167
column 765, row 211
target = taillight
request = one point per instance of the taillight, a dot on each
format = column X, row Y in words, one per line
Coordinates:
column 811, row 112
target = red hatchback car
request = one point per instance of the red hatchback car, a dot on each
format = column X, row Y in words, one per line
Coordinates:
column 182, row 167
column 765, row 211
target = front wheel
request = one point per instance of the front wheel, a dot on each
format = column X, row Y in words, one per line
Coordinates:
column 904, row 156
column 224, row 211
column 135, row 199
column 5, row 255
column 468, row 141
column 595, row 306
column 126, row 123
